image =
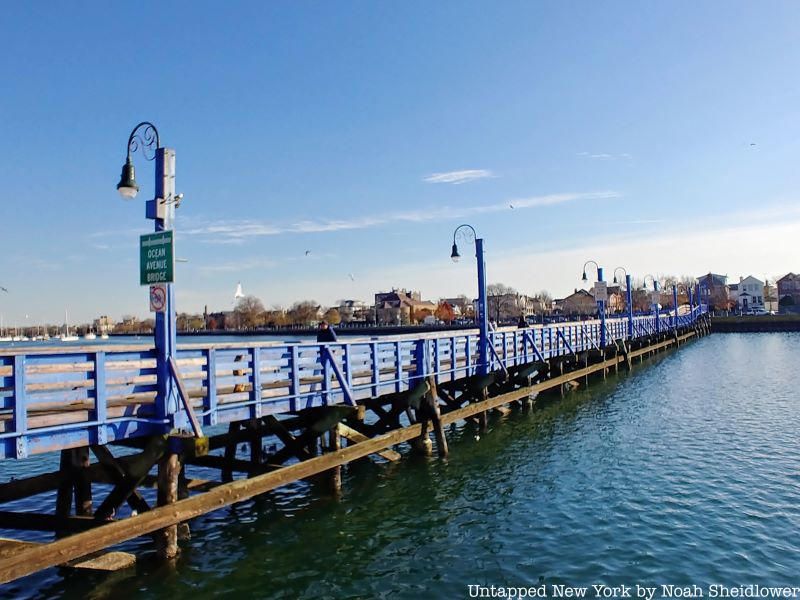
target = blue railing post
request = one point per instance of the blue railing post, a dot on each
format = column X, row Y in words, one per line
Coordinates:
column 675, row 305
column 20, row 407
column 421, row 360
column 601, row 308
column 656, row 306
column 210, row 405
column 629, row 294
column 483, row 317
column 100, row 398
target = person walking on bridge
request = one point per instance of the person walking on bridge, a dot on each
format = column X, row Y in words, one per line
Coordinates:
column 326, row 333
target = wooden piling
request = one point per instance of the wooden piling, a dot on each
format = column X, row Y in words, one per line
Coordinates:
column 169, row 468
column 483, row 417
column 335, row 474
column 230, row 451
column 434, row 414
column 83, row 482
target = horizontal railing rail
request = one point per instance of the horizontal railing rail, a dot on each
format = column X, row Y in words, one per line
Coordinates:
column 56, row 400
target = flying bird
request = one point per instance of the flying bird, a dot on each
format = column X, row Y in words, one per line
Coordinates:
column 752, row 143
column 308, row 252
column 350, row 275
column 511, row 206
column 3, row 289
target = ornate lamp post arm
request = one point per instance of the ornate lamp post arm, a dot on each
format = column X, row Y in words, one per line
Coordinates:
column 596, row 266
column 601, row 305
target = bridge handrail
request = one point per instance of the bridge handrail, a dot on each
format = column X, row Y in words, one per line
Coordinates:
column 53, row 400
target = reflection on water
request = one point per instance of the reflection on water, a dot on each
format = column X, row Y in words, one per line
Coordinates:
column 683, row 472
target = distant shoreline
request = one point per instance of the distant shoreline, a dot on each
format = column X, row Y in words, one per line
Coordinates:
column 755, row 324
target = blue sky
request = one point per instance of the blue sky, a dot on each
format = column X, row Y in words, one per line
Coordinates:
column 619, row 131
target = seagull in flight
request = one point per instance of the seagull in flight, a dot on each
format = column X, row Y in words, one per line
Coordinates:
column 511, row 206
column 3, row 289
column 350, row 275
column 308, row 252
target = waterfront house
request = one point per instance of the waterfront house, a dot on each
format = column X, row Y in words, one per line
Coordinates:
column 714, row 291
column 616, row 299
column 580, row 302
column 789, row 293
column 749, row 293
column 104, row 324
column 770, row 297
column 354, row 311
column 462, row 306
column 511, row 305
column 401, row 307
column 733, row 292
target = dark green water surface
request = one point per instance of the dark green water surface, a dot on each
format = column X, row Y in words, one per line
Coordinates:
column 683, row 472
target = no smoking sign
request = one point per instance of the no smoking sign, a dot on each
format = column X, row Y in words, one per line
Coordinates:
column 158, row 298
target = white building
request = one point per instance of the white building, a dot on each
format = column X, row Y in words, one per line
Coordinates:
column 353, row 310
column 750, row 293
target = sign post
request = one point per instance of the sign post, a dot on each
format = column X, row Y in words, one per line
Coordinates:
column 601, row 297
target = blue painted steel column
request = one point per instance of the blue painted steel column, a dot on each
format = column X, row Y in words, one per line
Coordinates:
column 675, row 305
column 629, row 293
column 483, row 317
column 656, row 308
column 698, row 296
column 165, row 330
column 601, row 309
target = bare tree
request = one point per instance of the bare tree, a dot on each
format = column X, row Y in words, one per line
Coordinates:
column 332, row 316
column 502, row 301
column 249, row 312
column 304, row 312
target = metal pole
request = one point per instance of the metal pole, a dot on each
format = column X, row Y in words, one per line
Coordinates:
column 165, row 330
column 601, row 309
column 656, row 309
column 483, row 317
column 629, row 293
column 675, row 305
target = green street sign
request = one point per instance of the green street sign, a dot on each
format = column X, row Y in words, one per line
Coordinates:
column 156, row 258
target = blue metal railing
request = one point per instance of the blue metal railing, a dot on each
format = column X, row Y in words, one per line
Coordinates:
column 56, row 400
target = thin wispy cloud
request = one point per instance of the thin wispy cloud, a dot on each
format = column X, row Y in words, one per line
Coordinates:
column 117, row 233
column 234, row 232
column 458, row 177
column 605, row 156
column 237, row 266
column 261, row 263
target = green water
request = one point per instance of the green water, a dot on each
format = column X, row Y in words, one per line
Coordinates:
column 683, row 472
